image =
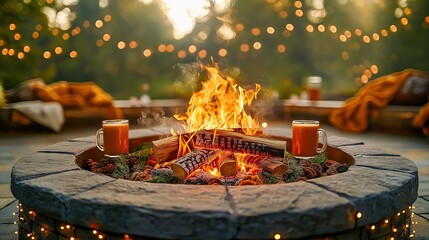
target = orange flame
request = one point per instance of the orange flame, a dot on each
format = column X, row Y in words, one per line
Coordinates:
column 220, row 105
column 215, row 172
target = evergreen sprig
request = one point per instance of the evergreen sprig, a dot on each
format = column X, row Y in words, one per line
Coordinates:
column 320, row 158
column 268, row 178
column 122, row 170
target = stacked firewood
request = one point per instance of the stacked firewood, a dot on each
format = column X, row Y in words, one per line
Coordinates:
column 220, row 151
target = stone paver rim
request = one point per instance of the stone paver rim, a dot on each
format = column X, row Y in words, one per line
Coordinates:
column 232, row 217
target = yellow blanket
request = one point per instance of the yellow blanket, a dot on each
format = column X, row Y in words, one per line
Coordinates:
column 371, row 98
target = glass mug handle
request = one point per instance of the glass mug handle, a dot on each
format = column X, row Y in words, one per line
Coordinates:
column 98, row 136
column 324, row 137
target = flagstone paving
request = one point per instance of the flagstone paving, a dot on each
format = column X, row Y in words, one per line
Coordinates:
column 15, row 145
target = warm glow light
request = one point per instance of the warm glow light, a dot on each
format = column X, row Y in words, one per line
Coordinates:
column 393, row 28
column 86, row 24
column 374, row 69
column 348, row 34
column 162, row 48
column 343, row 38
column 55, row 32
column 98, row 24
column 106, row 37
column 289, row 27
column 192, row 49
column 359, row 215
column 366, row 39
column 73, row 54
column 404, row 21
column 333, row 29
column 75, row 31
column 20, row 55
column 226, row 32
column 257, row 45
column 11, row 52
column 271, row 30
column 107, row 18
column 283, row 14
column 298, row 4
column 169, row 48
column 321, row 28
column 384, row 33
column 47, row 54
column 12, row 26
column 133, row 44
column 309, row 28
column 345, row 55
column 358, row 32
column 222, row 52
column 58, row 50
column 99, row 43
column 386, row 221
column 299, row 13
column 147, row 53
column 375, row 36
column 427, row 19
column 35, row 35
column 277, row 236
column 202, row 54
column 281, row 48
column 373, row 227
column 181, row 54
column 244, row 47
column 17, row 36
column 121, row 45
column 183, row 14
column 239, row 27
column 255, row 31
column 264, row 125
column 38, row 27
column 364, row 79
column 66, row 36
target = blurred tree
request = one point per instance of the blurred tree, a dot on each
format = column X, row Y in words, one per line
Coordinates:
column 122, row 44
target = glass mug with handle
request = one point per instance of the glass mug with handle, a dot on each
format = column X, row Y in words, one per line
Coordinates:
column 115, row 137
column 306, row 136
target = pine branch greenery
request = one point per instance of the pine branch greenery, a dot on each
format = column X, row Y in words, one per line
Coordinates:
column 164, row 177
column 143, row 152
column 122, row 170
column 268, row 178
column 320, row 158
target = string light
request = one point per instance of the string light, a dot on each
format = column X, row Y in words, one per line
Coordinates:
column 277, row 236
column 359, row 215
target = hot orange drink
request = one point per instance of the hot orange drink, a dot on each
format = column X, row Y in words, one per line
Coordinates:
column 305, row 138
column 115, row 137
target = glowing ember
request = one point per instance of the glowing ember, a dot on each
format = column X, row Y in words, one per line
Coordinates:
column 220, row 105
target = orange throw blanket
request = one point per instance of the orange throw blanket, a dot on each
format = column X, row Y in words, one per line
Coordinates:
column 71, row 94
column 373, row 97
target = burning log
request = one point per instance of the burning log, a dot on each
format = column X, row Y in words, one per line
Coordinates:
column 167, row 149
column 239, row 143
column 192, row 161
column 272, row 165
column 228, row 165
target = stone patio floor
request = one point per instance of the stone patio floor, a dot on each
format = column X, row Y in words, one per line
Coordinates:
column 16, row 144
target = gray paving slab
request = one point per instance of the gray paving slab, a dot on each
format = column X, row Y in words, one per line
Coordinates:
column 14, row 146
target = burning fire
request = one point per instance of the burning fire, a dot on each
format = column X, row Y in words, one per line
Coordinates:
column 220, row 105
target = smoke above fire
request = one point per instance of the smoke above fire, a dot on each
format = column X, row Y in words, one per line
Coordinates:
column 220, row 104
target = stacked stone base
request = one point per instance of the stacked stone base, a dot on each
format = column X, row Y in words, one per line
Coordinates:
column 34, row 225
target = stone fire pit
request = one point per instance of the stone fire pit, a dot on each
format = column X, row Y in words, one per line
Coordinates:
column 59, row 199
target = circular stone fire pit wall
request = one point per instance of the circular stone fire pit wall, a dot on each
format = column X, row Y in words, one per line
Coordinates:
column 58, row 198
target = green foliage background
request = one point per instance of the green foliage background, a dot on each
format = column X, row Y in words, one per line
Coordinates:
column 121, row 72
